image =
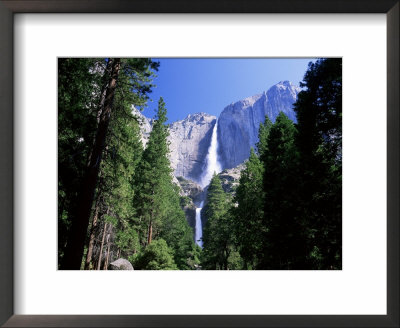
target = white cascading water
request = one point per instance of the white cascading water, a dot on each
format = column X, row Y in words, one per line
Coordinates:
column 199, row 226
column 212, row 166
column 212, row 163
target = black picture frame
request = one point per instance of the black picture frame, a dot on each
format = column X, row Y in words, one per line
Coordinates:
column 10, row 7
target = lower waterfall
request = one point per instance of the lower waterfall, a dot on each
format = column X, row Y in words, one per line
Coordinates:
column 199, row 226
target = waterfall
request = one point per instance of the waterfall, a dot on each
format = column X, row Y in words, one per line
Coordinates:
column 199, row 226
column 212, row 165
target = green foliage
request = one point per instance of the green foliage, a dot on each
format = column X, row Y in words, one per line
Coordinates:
column 176, row 231
column 283, row 233
column 116, row 187
column 319, row 114
column 81, row 94
column 248, row 214
column 235, row 261
column 218, row 242
column 263, row 133
column 78, row 93
column 154, row 179
column 157, row 198
column 122, row 154
column 194, row 260
column 291, row 217
column 302, row 177
column 156, row 256
column 184, row 201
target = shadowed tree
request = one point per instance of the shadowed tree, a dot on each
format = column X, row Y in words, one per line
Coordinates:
column 282, row 244
column 319, row 115
column 137, row 75
column 74, row 251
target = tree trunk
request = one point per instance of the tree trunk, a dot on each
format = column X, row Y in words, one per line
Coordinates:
column 106, row 81
column 103, row 93
column 92, row 237
column 101, row 247
column 227, row 253
column 108, row 253
column 150, row 234
column 80, row 223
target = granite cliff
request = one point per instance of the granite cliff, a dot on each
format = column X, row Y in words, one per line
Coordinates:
column 238, row 126
column 189, row 140
column 239, row 122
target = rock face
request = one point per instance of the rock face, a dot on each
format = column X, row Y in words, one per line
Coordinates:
column 230, row 178
column 191, row 189
column 189, row 140
column 145, row 125
column 239, row 122
column 238, row 126
column 194, row 195
column 120, row 264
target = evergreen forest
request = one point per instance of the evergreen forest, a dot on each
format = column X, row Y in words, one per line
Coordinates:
column 118, row 197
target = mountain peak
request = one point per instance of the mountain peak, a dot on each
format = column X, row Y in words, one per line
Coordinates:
column 244, row 103
column 196, row 117
column 285, row 85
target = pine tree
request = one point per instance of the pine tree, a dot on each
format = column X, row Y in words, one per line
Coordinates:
column 249, row 213
column 134, row 77
column 157, row 256
column 79, row 225
column 263, row 132
column 176, row 231
column 154, row 176
column 123, row 153
column 283, row 241
column 319, row 115
column 218, row 242
column 157, row 198
column 77, row 111
column 123, row 156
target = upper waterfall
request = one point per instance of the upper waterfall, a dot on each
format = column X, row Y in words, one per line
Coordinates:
column 212, row 164
column 237, row 126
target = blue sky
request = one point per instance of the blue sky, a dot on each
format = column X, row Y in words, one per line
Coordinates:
column 191, row 85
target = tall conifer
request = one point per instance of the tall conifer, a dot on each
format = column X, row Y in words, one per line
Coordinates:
column 248, row 215
column 319, row 115
column 218, row 244
column 282, row 242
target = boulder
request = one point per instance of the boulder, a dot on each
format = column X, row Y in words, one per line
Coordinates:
column 120, row 264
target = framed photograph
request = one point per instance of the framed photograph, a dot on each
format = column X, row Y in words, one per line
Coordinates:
column 277, row 239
